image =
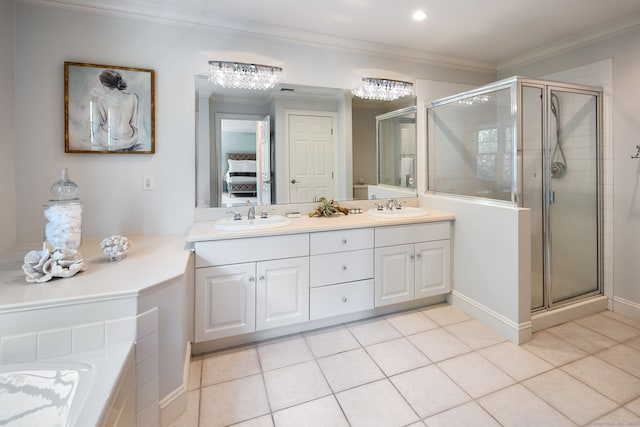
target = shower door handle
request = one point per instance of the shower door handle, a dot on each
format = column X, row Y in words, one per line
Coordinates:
column 552, row 197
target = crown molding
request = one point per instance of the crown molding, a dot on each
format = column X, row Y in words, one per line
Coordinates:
column 618, row 28
column 143, row 10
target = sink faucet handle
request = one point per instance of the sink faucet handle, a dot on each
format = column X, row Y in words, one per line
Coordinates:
column 264, row 214
column 379, row 206
column 236, row 215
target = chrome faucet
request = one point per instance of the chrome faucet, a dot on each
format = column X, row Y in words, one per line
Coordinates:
column 392, row 203
column 252, row 210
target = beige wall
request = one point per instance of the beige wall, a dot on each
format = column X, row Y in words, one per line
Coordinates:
column 7, row 136
column 111, row 185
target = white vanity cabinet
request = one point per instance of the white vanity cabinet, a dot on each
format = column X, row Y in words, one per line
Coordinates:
column 341, row 266
column 411, row 261
column 250, row 284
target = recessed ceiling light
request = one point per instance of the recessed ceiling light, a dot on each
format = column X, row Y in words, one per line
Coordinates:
column 419, row 15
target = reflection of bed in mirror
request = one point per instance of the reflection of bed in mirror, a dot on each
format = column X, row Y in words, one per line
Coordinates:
column 240, row 176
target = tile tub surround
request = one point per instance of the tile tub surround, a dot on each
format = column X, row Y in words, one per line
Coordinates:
column 351, row 375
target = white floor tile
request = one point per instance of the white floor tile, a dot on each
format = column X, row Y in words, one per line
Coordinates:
column 634, row 406
column 349, row 369
column 581, row 337
column 553, row 349
column 229, row 365
column 233, row 401
column 323, row 412
column 446, row 314
column 614, row 383
column 397, row 356
column 609, row 327
column 429, row 391
column 263, row 421
column 475, row 334
column 475, row 374
column 411, row 322
column 373, row 331
column 376, row 404
column 438, row 344
column 282, row 352
column 517, row 406
column 515, row 360
column 624, row 357
column 330, row 341
column 571, row 397
column 469, row 414
column 295, row 384
column 195, row 373
column 619, row 417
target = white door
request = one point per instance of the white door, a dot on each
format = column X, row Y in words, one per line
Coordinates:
column 310, row 157
column 432, row 268
column 225, row 301
column 394, row 275
column 263, row 151
column 282, row 294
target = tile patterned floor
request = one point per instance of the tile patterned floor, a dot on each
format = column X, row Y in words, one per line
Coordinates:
column 430, row 367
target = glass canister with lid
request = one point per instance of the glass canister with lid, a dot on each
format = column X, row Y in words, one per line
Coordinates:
column 64, row 214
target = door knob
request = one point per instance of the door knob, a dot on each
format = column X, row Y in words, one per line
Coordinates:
column 293, row 181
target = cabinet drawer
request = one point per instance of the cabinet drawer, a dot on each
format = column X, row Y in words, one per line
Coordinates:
column 412, row 233
column 340, row 299
column 233, row 251
column 327, row 242
column 340, row 267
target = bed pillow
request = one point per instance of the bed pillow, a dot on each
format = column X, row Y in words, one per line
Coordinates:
column 242, row 166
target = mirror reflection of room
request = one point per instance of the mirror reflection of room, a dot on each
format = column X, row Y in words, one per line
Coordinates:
column 287, row 161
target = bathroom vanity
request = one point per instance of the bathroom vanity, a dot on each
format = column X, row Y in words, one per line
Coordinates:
column 314, row 272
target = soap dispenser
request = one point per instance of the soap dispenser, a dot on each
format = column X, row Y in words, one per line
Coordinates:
column 64, row 214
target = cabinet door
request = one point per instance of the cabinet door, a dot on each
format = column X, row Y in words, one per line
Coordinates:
column 394, row 274
column 225, row 301
column 432, row 268
column 282, row 294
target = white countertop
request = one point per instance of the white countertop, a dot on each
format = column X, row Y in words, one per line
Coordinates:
column 204, row 230
column 152, row 260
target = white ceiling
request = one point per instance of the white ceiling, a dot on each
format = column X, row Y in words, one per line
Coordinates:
column 488, row 32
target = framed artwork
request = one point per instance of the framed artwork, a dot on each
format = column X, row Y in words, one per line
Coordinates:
column 108, row 109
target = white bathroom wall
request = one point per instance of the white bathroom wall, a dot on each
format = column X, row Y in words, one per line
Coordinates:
column 111, row 185
column 7, row 135
column 622, row 125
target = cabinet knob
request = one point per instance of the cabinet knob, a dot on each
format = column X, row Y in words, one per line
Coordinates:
column 344, row 241
column 344, row 268
column 344, row 299
column 418, row 255
column 261, row 278
column 251, row 278
column 411, row 257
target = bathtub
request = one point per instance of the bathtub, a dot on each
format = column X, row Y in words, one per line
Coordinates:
column 74, row 390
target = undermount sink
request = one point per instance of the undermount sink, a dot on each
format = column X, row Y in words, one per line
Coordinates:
column 230, row 224
column 405, row 212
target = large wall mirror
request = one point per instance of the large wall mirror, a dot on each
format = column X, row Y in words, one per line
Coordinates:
column 294, row 144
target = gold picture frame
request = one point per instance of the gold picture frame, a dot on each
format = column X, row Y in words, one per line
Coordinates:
column 108, row 109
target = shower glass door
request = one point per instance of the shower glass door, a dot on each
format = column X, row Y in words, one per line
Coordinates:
column 572, row 212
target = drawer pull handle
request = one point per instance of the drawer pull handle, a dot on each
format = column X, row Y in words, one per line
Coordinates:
column 344, row 241
column 344, row 268
column 344, row 299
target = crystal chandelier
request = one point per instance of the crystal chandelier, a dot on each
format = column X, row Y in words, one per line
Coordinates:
column 239, row 75
column 382, row 89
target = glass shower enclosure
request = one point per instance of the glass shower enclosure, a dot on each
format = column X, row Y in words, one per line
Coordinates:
column 534, row 144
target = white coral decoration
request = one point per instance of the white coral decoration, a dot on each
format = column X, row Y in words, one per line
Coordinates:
column 115, row 247
column 42, row 266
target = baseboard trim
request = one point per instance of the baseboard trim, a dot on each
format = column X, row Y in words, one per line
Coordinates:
column 518, row 333
column 175, row 403
column 626, row 308
column 567, row 313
